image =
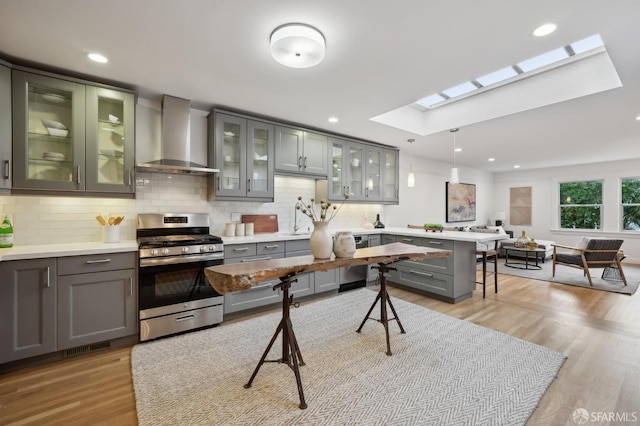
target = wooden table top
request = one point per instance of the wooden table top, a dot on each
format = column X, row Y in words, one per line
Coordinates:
column 243, row 276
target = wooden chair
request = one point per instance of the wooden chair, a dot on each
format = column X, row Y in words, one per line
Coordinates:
column 599, row 253
column 488, row 255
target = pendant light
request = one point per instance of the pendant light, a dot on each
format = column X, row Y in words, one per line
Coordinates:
column 454, row 178
column 411, row 180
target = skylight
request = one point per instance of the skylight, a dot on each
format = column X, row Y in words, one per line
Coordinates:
column 513, row 73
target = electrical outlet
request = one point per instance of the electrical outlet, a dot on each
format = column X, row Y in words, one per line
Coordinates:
column 236, row 217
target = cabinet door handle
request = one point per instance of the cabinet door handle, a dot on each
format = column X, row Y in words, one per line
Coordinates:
column 48, row 276
column 129, row 177
column 241, row 249
column 255, row 260
column 6, row 169
column 248, row 185
column 300, row 162
column 130, row 286
column 420, row 273
column 78, row 174
column 218, row 183
column 107, row 260
column 304, row 165
column 272, row 246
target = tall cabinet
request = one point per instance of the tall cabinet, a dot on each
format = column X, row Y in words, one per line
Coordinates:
column 70, row 136
column 5, row 127
column 243, row 151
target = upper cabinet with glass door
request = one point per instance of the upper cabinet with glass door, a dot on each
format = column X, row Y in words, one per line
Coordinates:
column 65, row 137
column 110, row 134
column 5, row 128
column 243, row 151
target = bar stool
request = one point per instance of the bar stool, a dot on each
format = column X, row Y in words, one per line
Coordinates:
column 488, row 255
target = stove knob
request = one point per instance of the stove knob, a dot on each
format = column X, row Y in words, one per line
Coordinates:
column 154, row 252
column 211, row 248
column 203, row 248
column 185, row 249
column 165, row 251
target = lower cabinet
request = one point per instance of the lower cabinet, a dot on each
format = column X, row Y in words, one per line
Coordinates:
column 55, row 304
column 27, row 308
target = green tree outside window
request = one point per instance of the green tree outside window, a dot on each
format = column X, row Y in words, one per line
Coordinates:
column 581, row 205
column 630, row 196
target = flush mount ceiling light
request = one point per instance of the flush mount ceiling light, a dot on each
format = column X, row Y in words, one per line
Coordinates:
column 96, row 57
column 297, row 45
column 454, row 170
column 411, row 180
column 544, row 30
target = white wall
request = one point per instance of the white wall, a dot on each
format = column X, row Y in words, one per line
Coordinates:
column 426, row 202
column 544, row 183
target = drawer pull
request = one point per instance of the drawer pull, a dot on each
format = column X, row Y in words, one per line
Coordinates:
column 185, row 318
column 272, row 246
column 90, row 262
column 409, row 240
column 436, row 243
column 241, row 249
column 7, row 172
column 48, row 276
column 426, row 274
column 255, row 260
column 130, row 286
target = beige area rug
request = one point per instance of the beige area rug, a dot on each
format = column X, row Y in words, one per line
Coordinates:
column 443, row 371
column 573, row 276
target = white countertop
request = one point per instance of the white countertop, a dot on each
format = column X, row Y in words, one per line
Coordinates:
column 78, row 249
column 62, row 249
column 476, row 237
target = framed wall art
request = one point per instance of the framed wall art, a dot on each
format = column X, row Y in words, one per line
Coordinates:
column 461, row 202
column 520, row 206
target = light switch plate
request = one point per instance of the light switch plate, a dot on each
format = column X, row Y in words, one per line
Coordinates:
column 236, row 217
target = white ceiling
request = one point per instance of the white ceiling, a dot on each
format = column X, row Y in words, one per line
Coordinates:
column 379, row 57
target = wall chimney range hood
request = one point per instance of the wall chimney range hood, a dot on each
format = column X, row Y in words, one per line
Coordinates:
column 176, row 131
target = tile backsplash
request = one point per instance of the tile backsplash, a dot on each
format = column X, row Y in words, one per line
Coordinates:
column 53, row 219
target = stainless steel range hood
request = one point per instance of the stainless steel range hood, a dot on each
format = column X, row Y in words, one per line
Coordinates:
column 176, row 130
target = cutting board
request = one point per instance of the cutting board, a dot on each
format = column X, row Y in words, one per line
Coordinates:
column 262, row 222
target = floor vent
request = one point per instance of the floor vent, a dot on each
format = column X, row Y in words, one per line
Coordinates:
column 86, row 349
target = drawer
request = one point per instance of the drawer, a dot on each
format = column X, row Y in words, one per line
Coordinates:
column 270, row 247
column 387, row 239
column 239, row 250
column 437, row 243
column 298, row 253
column 96, row 263
column 297, row 245
column 431, row 282
column 261, row 295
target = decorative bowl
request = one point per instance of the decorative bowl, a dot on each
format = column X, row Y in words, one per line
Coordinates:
column 51, row 124
column 58, row 132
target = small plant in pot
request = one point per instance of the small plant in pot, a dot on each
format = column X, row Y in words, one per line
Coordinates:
column 433, row 227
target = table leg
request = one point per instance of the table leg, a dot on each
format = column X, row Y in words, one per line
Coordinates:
column 291, row 354
column 383, row 297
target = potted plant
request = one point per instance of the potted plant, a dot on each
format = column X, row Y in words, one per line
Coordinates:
column 433, row 227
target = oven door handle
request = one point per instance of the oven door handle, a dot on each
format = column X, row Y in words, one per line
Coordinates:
column 158, row 261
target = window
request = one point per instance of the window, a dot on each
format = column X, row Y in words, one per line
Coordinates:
column 630, row 191
column 581, row 205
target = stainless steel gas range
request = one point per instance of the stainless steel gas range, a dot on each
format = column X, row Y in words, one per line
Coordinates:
column 174, row 294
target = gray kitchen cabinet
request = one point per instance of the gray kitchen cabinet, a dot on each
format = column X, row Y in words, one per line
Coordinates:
column 96, row 298
column 390, row 176
column 301, row 152
column 5, row 127
column 27, row 308
column 244, row 152
column 70, row 136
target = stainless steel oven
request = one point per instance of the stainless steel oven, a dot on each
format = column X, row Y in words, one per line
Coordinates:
column 174, row 294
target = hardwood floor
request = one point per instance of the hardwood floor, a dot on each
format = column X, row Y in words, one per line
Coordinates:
column 598, row 331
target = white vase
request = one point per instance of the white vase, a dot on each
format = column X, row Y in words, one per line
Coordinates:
column 320, row 241
column 344, row 244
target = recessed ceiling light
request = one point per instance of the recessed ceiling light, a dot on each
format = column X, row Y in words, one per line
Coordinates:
column 333, row 119
column 544, row 30
column 517, row 166
column 96, row 57
column 491, row 159
column 638, row 118
column 458, row 150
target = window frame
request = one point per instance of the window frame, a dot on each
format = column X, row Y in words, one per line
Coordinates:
column 601, row 205
column 623, row 205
